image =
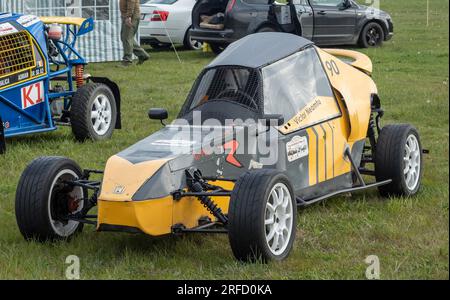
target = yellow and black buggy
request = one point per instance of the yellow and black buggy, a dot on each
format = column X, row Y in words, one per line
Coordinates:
column 272, row 124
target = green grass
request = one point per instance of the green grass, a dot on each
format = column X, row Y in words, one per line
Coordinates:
column 410, row 236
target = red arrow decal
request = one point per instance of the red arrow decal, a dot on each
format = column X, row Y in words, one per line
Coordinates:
column 232, row 146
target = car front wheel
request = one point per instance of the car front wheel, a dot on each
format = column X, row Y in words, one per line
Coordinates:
column 45, row 202
column 262, row 217
column 372, row 35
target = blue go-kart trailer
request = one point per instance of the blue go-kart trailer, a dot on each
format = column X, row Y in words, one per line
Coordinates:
column 43, row 84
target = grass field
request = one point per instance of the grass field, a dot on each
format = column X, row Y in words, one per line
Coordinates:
column 410, row 236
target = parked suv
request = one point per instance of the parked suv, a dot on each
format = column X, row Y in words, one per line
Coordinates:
column 326, row 22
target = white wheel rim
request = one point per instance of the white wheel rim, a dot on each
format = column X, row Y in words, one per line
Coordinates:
column 411, row 160
column 61, row 229
column 101, row 114
column 196, row 45
column 278, row 219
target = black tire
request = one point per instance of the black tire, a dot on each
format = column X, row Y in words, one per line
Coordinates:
column 247, row 214
column 81, row 109
column 217, row 48
column 190, row 44
column 40, row 198
column 372, row 35
column 390, row 160
column 267, row 29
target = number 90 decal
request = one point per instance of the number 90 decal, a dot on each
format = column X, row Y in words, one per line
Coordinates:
column 332, row 67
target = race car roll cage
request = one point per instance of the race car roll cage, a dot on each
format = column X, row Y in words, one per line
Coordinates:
column 201, row 187
column 66, row 49
column 70, row 59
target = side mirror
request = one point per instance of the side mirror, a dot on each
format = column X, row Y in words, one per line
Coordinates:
column 273, row 120
column 158, row 114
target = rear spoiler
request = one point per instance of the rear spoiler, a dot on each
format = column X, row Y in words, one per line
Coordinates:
column 356, row 59
column 84, row 25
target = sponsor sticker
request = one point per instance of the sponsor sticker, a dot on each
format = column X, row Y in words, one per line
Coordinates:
column 297, row 148
column 7, row 28
column 32, row 94
column 5, row 15
column 118, row 190
column 27, row 20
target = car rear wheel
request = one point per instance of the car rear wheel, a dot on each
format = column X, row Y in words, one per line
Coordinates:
column 262, row 216
column 266, row 29
column 372, row 35
column 217, row 48
column 399, row 157
column 93, row 112
column 190, row 43
column 44, row 201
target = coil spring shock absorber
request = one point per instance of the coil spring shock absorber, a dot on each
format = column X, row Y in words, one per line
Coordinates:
column 196, row 184
column 79, row 74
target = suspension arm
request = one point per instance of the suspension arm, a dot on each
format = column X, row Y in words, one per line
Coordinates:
column 198, row 186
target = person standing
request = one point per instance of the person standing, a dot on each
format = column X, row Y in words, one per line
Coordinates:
column 131, row 13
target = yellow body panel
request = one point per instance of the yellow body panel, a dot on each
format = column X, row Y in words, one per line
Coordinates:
column 155, row 216
column 63, row 20
column 312, row 157
column 326, row 152
column 120, row 173
column 357, row 59
column 358, row 92
column 329, row 170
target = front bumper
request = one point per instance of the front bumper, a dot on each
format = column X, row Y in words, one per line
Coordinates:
column 162, row 35
column 389, row 36
column 216, row 36
column 155, row 217
column 152, row 217
column 390, row 30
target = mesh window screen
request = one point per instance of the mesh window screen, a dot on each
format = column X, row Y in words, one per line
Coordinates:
column 229, row 83
column 16, row 53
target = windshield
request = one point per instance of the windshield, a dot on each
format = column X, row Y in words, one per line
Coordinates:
column 234, row 84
